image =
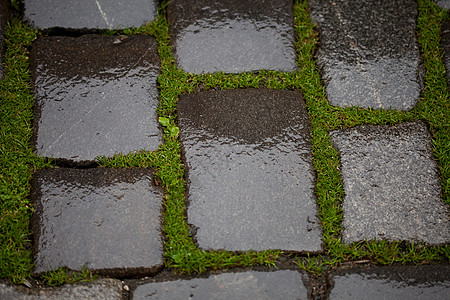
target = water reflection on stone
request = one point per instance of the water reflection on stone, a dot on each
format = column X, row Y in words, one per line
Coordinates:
column 248, row 160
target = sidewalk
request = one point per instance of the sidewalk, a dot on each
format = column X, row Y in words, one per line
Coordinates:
column 205, row 157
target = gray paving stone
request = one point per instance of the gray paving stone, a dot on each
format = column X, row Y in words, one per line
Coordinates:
column 95, row 95
column 392, row 185
column 285, row 284
column 4, row 15
column 107, row 220
column 249, row 169
column 368, row 52
column 443, row 3
column 401, row 282
column 445, row 29
column 90, row 14
column 108, row 289
column 233, row 35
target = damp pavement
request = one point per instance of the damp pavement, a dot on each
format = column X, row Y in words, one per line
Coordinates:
column 247, row 152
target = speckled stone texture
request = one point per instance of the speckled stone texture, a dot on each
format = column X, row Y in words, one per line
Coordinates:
column 368, row 52
column 249, row 170
column 90, row 14
column 4, row 15
column 95, row 95
column 104, row 289
column 443, row 3
column 284, row 284
column 107, row 220
column 233, row 35
column 394, row 282
column 392, row 185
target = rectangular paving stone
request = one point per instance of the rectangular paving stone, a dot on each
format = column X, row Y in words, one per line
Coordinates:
column 249, row 170
column 368, row 52
column 89, row 14
column 284, row 284
column 233, row 35
column 107, row 289
column 95, row 95
column 394, row 282
column 4, row 15
column 107, row 220
column 391, row 184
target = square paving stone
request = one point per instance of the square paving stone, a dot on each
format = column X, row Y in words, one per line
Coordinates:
column 90, row 14
column 95, row 95
column 107, row 289
column 284, row 284
column 368, row 52
column 233, row 35
column 4, row 15
column 392, row 185
column 399, row 282
column 249, row 170
column 107, row 220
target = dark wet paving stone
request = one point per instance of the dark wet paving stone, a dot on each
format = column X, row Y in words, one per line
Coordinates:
column 249, row 169
column 4, row 15
column 93, row 14
column 443, row 3
column 399, row 282
column 285, row 284
column 392, row 185
column 107, row 220
column 232, row 36
column 445, row 29
column 369, row 53
column 95, row 95
column 107, row 289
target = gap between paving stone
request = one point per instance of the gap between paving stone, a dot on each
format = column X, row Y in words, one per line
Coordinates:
column 369, row 53
column 249, row 170
column 232, row 36
column 95, row 95
column 107, row 220
column 391, row 184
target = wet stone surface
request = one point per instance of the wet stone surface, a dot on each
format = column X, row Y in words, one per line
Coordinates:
column 368, row 52
column 95, row 95
column 107, row 220
column 395, row 282
column 107, row 289
column 233, row 36
column 4, row 15
column 392, row 185
column 249, row 169
column 90, row 14
column 284, row 284
column 445, row 29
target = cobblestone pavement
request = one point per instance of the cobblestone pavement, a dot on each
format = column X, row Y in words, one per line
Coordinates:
column 98, row 95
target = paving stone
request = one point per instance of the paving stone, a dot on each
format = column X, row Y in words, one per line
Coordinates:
column 108, row 289
column 95, row 95
column 107, row 220
column 445, row 29
column 443, row 3
column 368, row 52
column 249, row 169
column 399, row 282
column 232, row 36
column 4, row 15
column 90, row 14
column 392, row 185
column 284, row 284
